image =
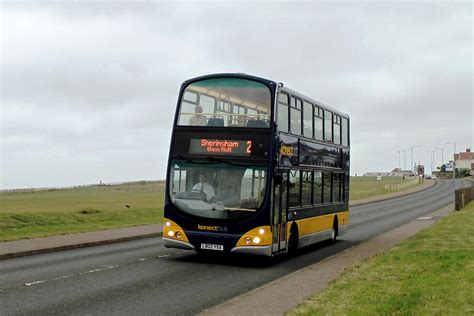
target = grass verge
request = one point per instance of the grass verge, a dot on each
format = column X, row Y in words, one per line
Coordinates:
column 367, row 187
column 430, row 273
column 29, row 225
column 63, row 211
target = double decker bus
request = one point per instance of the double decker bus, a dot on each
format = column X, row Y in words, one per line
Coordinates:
column 254, row 168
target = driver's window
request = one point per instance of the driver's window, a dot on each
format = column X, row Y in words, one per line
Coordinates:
column 252, row 188
column 179, row 180
column 253, row 185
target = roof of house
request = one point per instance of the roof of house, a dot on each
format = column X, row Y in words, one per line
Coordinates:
column 464, row 156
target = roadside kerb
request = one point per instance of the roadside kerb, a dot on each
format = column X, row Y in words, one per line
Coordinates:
column 27, row 247
column 286, row 293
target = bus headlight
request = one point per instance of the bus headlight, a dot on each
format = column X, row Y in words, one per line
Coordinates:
column 178, row 234
column 168, row 223
column 259, row 236
column 171, row 233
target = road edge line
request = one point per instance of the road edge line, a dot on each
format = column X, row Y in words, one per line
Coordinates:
column 75, row 246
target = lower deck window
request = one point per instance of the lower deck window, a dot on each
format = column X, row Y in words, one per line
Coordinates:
column 294, row 188
column 306, row 190
column 317, row 187
column 327, row 185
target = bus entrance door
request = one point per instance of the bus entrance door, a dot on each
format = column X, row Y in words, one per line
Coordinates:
column 279, row 213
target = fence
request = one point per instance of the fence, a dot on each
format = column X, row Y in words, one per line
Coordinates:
column 142, row 185
column 463, row 196
column 400, row 186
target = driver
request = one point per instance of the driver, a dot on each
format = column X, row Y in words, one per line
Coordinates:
column 204, row 186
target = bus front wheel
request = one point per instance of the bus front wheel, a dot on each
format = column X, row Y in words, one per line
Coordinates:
column 293, row 240
column 334, row 230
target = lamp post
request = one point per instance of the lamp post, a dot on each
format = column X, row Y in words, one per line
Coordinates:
column 404, row 160
column 454, row 167
column 432, row 161
column 412, row 155
column 442, row 154
column 454, row 159
column 399, row 166
column 431, row 156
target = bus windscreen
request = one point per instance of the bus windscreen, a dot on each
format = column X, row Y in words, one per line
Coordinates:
column 217, row 190
column 226, row 102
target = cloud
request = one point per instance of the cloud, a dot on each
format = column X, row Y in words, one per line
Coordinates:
column 88, row 90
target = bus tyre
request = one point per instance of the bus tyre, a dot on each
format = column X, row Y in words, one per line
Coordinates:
column 334, row 230
column 293, row 241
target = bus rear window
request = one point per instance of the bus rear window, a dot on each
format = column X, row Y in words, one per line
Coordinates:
column 226, row 102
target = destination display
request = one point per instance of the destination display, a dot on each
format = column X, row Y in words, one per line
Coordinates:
column 220, row 147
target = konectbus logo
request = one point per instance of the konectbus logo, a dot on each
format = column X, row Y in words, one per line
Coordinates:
column 212, row 228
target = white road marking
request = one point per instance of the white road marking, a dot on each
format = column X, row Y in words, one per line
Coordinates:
column 71, row 275
column 425, row 217
column 63, row 277
column 163, row 256
column 102, row 269
column 36, row 282
column 142, row 259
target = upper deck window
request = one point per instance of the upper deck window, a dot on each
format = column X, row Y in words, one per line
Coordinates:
column 318, row 123
column 282, row 119
column 308, row 119
column 226, row 102
column 295, row 116
column 327, row 126
column 337, row 129
column 345, row 132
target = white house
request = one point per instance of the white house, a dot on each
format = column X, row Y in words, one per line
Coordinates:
column 465, row 160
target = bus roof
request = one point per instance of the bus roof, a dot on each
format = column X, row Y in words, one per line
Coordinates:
column 322, row 105
column 268, row 82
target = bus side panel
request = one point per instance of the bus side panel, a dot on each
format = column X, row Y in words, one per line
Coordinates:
column 315, row 229
column 343, row 221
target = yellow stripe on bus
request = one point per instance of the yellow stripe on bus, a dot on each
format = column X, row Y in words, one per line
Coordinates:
column 319, row 223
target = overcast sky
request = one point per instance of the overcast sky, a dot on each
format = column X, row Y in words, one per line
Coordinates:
column 89, row 89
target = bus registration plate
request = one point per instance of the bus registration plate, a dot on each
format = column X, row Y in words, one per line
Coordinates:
column 212, row 247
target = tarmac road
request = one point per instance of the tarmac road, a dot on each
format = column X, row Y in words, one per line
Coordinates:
column 144, row 277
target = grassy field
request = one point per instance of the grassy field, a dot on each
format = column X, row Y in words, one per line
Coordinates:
column 59, row 211
column 367, row 187
column 37, row 213
column 431, row 273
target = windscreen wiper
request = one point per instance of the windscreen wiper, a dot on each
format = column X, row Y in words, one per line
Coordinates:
column 214, row 159
column 194, row 161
